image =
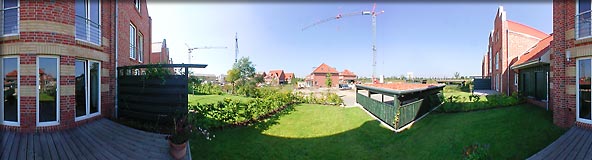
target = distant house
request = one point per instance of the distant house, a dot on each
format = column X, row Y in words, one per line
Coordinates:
column 318, row 76
column 160, row 53
column 507, row 41
column 289, row 77
column 275, row 77
column 532, row 70
column 347, row 77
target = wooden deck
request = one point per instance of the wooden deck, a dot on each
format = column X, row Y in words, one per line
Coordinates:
column 576, row 143
column 102, row 139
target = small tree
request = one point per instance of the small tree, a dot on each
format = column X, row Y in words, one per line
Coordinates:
column 456, row 75
column 232, row 77
column 328, row 80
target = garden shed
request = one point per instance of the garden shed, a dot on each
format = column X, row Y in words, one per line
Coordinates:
column 399, row 104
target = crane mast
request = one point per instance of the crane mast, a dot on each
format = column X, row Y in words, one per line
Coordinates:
column 236, row 47
column 190, row 49
column 373, row 14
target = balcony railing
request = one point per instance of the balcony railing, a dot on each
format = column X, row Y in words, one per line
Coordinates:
column 88, row 30
column 9, row 21
column 584, row 25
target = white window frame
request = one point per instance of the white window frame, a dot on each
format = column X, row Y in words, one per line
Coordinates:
column 138, row 4
column 576, row 29
column 140, row 46
column 578, row 91
column 88, row 25
column 18, row 18
column 497, row 60
column 87, row 91
column 516, row 79
column 18, row 85
column 133, row 30
column 58, row 97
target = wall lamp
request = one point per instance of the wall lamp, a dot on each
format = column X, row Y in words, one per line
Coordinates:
column 567, row 55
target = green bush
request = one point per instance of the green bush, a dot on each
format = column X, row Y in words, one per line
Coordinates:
column 207, row 88
column 476, row 152
column 458, row 103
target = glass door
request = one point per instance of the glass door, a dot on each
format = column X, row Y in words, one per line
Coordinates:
column 583, row 95
column 10, row 94
column 48, row 91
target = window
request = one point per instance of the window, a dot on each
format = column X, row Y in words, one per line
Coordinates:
column 490, row 59
column 583, row 25
column 88, row 20
column 10, row 95
column 140, row 47
column 48, row 91
column 516, row 76
column 583, row 105
column 132, row 41
column 137, row 3
column 87, row 88
column 497, row 61
column 9, row 23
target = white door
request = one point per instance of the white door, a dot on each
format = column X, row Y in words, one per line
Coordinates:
column 583, row 96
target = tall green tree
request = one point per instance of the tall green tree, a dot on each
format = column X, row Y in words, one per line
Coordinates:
column 245, row 67
column 328, row 80
column 456, row 75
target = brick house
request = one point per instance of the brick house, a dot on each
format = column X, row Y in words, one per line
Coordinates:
column 289, row 77
column 318, row 76
column 532, row 70
column 506, row 42
column 347, row 77
column 73, row 48
column 160, row 53
column 571, row 63
column 275, row 77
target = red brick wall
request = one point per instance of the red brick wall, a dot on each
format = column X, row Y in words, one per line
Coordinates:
column 161, row 57
column 63, row 12
column 320, row 79
column 564, row 105
column 129, row 14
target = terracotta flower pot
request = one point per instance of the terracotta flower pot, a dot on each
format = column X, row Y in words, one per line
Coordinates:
column 178, row 151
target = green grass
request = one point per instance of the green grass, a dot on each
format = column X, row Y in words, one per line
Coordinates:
column 328, row 132
column 45, row 97
column 194, row 99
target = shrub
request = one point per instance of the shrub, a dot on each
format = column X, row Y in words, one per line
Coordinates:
column 456, row 104
column 476, row 152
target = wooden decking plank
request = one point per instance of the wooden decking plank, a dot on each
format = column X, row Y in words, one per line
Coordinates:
column 139, row 141
column 15, row 146
column 84, row 145
column 45, row 146
column 581, row 142
column 30, row 147
column 53, row 148
column 66, row 140
column 4, row 144
column 62, row 150
column 121, row 140
column 8, row 147
column 117, row 125
column 22, row 150
column 582, row 152
column 568, row 143
column 144, row 140
column 38, row 150
column 547, row 151
column 108, row 152
column 102, row 137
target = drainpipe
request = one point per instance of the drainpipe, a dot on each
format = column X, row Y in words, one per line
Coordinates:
column 116, row 61
column 547, row 90
column 508, row 60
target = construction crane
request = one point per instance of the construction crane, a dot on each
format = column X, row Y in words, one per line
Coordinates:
column 236, row 47
column 371, row 13
column 190, row 49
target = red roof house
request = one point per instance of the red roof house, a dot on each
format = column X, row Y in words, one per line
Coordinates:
column 347, row 76
column 319, row 76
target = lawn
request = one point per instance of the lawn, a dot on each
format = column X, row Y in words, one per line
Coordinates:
column 194, row 99
column 327, row 132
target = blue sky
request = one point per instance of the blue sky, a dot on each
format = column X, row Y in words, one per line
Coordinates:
column 428, row 39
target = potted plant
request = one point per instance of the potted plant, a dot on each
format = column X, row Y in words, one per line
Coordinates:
column 179, row 137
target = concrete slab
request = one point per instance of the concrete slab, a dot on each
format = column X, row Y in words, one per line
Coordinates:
column 485, row 92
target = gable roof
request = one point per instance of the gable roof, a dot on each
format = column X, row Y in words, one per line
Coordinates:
column 289, row 75
column 517, row 27
column 536, row 52
column 347, row 73
column 14, row 73
column 276, row 73
column 324, row 68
